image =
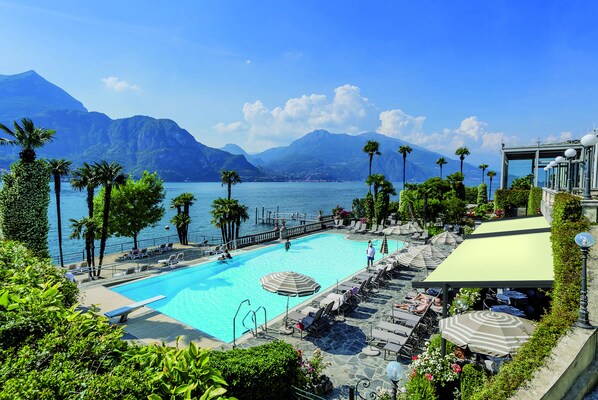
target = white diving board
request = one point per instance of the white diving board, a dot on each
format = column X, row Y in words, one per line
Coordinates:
column 124, row 312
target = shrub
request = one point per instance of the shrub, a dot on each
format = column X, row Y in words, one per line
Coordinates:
column 482, row 194
column 505, row 198
column 473, row 378
column 262, row 372
column 420, row 388
column 534, row 201
column 471, row 194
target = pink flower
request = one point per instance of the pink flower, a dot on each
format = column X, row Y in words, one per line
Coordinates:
column 456, row 368
column 429, row 377
column 414, row 358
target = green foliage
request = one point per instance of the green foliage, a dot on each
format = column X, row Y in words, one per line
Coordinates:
column 482, row 210
column 473, row 378
column 262, row 372
column 24, row 200
column 465, row 300
column 534, row 201
column 454, row 208
column 369, row 207
column 135, row 206
column 567, row 222
column 381, row 207
column 482, row 194
column 505, row 199
column 523, row 183
column 471, row 194
column 358, row 206
column 420, row 388
column 180, row 373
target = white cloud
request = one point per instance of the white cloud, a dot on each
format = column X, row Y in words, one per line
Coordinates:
column 233, row 127
column 471, row 127
column 113, row 83
column 562, row 137
column 396, row 123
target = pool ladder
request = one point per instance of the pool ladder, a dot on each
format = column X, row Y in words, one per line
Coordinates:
column 253, row 314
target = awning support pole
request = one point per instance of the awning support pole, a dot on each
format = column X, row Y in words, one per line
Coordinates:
column 445, row 289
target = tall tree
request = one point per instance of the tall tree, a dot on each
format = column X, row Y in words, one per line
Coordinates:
column 483, row 168
column 108, row 176
column 441, row 161
column 182, row 219
column 85, row 228
column 135, row 206
column 25, row 193
column 375, row 180
column 404, row 150
column 58, row 169
column 371, row 148
column 227, row 216
column 28, row 137
column 84, row 178
column 229, row 178
column 490, row 174
column 462, row 152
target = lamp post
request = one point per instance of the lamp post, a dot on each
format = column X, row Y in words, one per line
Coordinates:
column 588, row 141
column 553, row 165
column 584, row 240
column 394, row 371
column 559, row 160
column 570, row 154
column 549, row 185
column 546, row 176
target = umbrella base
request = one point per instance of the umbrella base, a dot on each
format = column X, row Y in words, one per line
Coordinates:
column 370, row 351
column 286, row 331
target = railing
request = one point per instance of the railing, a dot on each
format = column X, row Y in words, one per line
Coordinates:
column 303, row 229
column 263, row 237
column 235, row 321
column 301, row 394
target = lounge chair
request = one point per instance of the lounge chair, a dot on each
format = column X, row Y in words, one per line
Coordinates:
column 134, row 254
column 169, row 247
column 341, row 303
column 374, row 229
column 315, row 324
column 356, row 227
column 143, row 253
column 160, row 249
column 363, row 229
column 171, row 260
column 352, row 225
column 379, row 231
column 340, row 224
column 180, row 257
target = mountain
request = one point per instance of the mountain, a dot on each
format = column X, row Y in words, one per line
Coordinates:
column 236, row 149
column 139, row 143
column 30, row 94
column 321, row 155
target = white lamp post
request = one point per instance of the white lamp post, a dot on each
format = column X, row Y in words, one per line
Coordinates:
column 570, row 154
column 546, row 176
column 584, row 240
column 394, row 371
column 588, row 141
column 559, row 160
column 553, row 165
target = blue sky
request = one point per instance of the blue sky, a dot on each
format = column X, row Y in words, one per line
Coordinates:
column 262, row 73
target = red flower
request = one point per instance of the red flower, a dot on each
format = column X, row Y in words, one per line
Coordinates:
column 456, row 368
column 429, row 377
column 412, row 374
column 414, row 358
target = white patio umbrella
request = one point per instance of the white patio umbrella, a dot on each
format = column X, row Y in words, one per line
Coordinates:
column 446, row 237
column 289, row 284
column 417, row 260
column 396, row 230
column 428, row 250
column 487, row 332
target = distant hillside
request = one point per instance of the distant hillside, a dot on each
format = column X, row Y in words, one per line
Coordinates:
column 321, row 155
column 139, row 143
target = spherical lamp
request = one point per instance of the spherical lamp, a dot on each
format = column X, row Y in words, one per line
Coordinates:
column 589, row 140
column 570, row 153
column 584, row 240
column 394, row 370
column 560, row 159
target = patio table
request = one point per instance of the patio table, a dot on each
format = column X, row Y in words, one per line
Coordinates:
column 508, row 309
column 511, row 297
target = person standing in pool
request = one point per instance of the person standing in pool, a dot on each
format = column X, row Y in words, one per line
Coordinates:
column 371, row 252
column 287, row 245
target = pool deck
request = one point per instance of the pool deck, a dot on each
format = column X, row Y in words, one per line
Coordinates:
column 342, row 344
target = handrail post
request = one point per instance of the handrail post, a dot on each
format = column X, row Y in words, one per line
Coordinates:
column 234, row 321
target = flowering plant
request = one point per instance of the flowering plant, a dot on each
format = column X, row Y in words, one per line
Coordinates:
column 312, row 370
column 466, row 296
column 434, row 367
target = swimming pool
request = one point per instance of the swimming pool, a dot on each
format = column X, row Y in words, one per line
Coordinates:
column 206, row 296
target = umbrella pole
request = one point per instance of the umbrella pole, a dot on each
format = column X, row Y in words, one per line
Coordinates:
column 285, row 323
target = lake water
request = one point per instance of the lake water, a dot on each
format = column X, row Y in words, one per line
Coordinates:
column 302, row 197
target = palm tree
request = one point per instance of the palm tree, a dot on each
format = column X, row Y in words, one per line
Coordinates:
column 441, row 161
column 228, row 215
column 483, row 168
column 28, row 137
column 182, row 219
column 404, row 150
column 59, row 168
column 377, row 181
column 109, row 176
column 462, row 152
column 84, row 178
column 85, row 227
column 491, row 174
column 371, row 148
column 229, row 178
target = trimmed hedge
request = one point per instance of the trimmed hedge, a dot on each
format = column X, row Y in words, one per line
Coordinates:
column 482, row 194
column 471, row 194
column 534, row 201
column 473, row 377
column 505, row 199
column 568, row 221
column 262, row 372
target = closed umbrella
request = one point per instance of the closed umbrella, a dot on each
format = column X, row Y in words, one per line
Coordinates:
column 446, row 237
column 384, row 246
column 492, row 333
column 289, row 284
column 428, row 250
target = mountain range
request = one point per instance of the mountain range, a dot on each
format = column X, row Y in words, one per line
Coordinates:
column 144, row 143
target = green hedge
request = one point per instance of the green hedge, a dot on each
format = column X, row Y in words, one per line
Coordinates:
column 261, row 372
column 534, row 201
column 568, row 222
column 471, row 194
column 482, row 197
column 504, row 199
column 473, row 378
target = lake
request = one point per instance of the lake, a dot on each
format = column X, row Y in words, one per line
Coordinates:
column 302, row 197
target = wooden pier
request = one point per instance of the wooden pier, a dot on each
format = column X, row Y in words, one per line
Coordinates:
column 269, row 217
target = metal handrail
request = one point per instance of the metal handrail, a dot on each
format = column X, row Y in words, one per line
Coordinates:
column 234, row 321
column 254, row 333
column 265, row 326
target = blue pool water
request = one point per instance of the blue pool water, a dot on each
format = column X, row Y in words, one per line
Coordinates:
column 206, row 296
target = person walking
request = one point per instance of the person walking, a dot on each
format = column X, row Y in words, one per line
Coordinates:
column 371, row 252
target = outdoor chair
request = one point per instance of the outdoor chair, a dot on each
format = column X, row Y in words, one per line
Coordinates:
column 143, row 253
column 352, row 225
column 171, row 260
column 356, row 227
column 374, row 229
column 362, row 229
column 169, row 247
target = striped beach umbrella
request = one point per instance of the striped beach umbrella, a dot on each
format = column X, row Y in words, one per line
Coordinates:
column 487, row 332
column 446, row 237
column 417, row 260
column 289, row 284
column 396, row 230
column 428, row 250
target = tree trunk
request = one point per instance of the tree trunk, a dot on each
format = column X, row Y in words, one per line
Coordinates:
column 135, row 240
column 59, row 222
column 89, row 258
column 404, row 170
column 440, row 171
column 229, row 189
column 105, row 215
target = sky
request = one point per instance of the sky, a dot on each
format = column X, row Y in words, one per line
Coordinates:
column 261, row 73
